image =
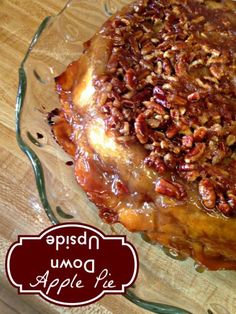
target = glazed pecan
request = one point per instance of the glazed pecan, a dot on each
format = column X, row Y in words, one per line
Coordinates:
column 117, row 85
column 112, row 63
column 171, row 189
column 170, row 161
column 181, row 68
column 196, row 153
column 190, row 176
column 219, row 154
column 156, row 162
column 207, row 193
column 217, row 71
column 172, row 131
column 160, row 96
column 177, row 100
column 199, row 134
column 141, row 128
column 167, row 67
column 147, row 48
column 223, row 205
column 155, row 107
column 131, row 78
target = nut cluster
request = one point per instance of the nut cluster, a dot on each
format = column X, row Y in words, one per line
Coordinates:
column 170, row 85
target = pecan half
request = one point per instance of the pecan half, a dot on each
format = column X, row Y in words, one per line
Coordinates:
column 196, row 153
column 171, row 189
column 177, row 100
column 191, row 176
column 199, row 134
column 172, row 131
column 141, row 128
column 156, row 162
column 113, row 63
column 160, row 96
column 207, row 193
column 217, row 71
column 155, row 107
column 131, row 78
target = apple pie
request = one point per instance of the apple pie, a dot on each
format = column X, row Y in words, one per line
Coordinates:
column 148, row 113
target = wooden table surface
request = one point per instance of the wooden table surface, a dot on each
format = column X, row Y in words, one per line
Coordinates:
column 18, row 21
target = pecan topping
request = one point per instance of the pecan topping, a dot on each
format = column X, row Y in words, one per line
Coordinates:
column 169, row 85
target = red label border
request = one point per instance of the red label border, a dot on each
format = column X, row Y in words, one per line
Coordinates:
column 88, row 227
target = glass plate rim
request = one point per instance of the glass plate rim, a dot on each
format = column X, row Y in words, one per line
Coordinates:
column 38, row 169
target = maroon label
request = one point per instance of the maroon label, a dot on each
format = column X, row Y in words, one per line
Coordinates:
column 72, row 264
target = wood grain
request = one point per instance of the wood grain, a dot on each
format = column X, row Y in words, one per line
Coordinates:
column 18, row 21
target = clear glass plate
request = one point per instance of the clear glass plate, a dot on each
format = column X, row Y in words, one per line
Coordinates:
column 162, row 280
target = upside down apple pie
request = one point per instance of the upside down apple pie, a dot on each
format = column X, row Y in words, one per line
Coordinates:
column 149, row 114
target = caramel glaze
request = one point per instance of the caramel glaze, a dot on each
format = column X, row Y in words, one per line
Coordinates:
column 117, row 181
